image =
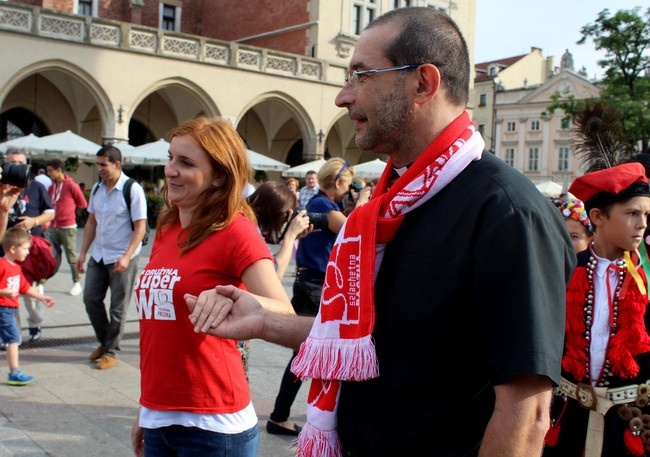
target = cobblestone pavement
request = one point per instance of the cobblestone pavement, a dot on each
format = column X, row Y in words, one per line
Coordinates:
column 75, row 410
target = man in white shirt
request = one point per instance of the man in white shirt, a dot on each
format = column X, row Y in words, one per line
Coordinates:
column 43, row 178
column 117, row 236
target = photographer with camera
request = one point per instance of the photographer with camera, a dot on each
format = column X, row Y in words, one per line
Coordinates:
column 30, row 211
column 326, row 215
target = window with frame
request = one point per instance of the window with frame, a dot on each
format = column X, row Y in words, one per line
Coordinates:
column 565, row 124
column 482, row 100
column 401, row 3
column 509, row 156
column 169, row 16
column 511, row 126
column 85, row 7
column 363, row 12
column 563, row 156
column 535, row 125
column 533, row 159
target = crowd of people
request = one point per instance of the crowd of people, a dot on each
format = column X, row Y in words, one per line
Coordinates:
column 448, row 309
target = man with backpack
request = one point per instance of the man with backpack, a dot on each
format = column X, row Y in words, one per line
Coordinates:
column 67, row 198
column 117, row 228
column 31, row 211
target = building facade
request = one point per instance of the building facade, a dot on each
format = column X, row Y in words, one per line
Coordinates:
column 129, row 71
column 510, row 102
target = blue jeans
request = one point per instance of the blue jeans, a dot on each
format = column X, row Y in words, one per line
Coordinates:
column 109, row 327
column 179, row 441
column 9, row 332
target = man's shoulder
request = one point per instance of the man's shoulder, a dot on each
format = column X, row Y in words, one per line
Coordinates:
column 135, row 185
column 35, row 186
column 492, row 172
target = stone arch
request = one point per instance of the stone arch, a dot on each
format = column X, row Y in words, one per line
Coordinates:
column 62, row 95
column 168, row 102
column 274, row 124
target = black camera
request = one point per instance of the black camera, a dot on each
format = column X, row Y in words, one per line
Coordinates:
column 320, row 221
column 15, row 174
column 356, row 186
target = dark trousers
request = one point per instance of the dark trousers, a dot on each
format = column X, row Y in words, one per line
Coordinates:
column 305, row 302
column 108, row 325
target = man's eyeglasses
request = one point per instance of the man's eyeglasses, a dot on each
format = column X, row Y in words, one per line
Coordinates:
column 352, row 77
column 345, row 165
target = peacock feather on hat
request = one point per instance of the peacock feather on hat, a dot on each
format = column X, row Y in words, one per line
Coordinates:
column 599, row 141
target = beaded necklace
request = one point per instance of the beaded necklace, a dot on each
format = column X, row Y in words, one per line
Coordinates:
column 614, row 312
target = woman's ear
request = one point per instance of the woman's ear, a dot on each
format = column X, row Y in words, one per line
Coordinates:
column 219, row 180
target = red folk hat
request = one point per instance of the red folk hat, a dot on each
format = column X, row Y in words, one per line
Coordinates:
column 604, row 187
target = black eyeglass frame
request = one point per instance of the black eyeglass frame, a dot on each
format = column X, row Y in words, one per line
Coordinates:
column 352, row 76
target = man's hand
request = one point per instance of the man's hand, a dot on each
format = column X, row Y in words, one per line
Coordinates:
column 26, row 223
column 122, row 264
column 226, row 311
column 81, row 260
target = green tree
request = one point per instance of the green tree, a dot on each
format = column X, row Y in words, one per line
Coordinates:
column 625, row 38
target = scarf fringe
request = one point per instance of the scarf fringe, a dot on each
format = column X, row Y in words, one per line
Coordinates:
column 335, row 358
column 313, row 442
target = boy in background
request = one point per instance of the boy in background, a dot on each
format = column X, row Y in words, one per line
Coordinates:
column 16, row 243
column 600, row 402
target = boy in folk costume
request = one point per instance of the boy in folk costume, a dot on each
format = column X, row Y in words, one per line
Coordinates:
column 601, row 405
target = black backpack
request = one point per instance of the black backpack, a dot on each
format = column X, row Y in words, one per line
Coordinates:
column 127, row 198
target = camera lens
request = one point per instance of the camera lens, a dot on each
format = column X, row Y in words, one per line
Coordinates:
column 15, row 174
column 320, row 221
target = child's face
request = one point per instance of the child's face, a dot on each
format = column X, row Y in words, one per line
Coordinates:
column 623, row 226
column 20, row 252
column 580, row 235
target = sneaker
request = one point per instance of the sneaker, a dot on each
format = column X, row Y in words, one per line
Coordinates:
column 76, row 289
column 19, row 378
column 41, row 289
column 96, row 354
column 34, row 333
column 106, row 362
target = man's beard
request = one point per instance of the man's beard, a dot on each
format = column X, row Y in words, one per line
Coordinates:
column 387, row 128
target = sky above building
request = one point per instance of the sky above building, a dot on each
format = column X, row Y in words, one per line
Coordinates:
column 507, row 28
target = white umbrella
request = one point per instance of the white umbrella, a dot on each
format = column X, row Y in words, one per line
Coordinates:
column 22, row 142
column 300, row 171
column 63, row 145
column 369, row 170
column 549, row 189
column 157, row 153
column 154, row 153
column 262, row 162
column 123, row 147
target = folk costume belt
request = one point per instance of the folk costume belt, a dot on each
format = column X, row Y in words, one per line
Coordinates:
column 601, row 399
column 598, row 400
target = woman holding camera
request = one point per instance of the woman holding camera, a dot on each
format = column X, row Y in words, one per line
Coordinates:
column 334, row 179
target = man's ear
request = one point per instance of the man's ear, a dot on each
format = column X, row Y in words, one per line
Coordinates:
column 428, row 80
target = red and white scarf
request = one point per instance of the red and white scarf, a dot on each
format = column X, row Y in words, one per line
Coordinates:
column 340, row 346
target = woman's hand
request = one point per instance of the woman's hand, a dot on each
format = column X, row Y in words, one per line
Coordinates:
column 227, row 312
column 137, row 438
column 299, row 227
